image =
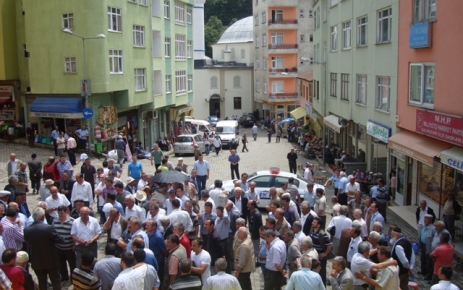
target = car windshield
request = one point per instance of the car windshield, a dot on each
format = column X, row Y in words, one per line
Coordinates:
column 213, row 118
column 183, row 139
column 225, row 130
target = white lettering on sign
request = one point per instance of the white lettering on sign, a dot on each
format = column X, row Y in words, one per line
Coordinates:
column 442, row 119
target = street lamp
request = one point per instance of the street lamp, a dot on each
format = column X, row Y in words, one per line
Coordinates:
column 85, row 84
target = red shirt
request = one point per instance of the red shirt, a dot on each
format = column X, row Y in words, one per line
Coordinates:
column 444, row 256
column 185, row 242
column 16, row 276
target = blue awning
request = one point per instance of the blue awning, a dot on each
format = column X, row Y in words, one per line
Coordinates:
column 70, row 108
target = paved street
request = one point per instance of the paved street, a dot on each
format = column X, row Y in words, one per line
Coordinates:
column 262, row 155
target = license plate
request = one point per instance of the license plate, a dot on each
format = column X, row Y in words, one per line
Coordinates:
column 182, row 148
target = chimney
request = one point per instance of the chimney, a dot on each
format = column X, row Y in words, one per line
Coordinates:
column 227, row 54
column 198, row 28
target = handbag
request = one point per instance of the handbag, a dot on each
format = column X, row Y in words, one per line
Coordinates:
column 321, row 240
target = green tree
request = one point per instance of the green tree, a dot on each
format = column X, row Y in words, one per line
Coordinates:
column 213, row 30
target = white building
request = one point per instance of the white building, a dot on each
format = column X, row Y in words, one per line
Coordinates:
column 224, row 86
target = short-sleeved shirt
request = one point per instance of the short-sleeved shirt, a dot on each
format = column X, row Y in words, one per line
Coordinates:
column 52, row 203
column 201, row 167
column 360, row 264
column 320, row 204
column 335, row 179
column 83, row 134
column 342, row 184
column 444, row 256
column 135, row 169
column 157, row 156
column 203, row 258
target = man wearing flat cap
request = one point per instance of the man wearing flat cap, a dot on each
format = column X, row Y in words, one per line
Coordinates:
column 403, row 253
column 4, row 196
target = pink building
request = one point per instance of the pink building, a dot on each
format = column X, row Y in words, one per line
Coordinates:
column 427, row 152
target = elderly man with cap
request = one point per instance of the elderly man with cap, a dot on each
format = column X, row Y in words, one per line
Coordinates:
column 119, row 145
column 44, row 191
column 55, row 201
column 132, row 209
column 182, row 165
column 11, row 187
column 403, row 253
column 22, row 261
column 4, row 196
column 426, row 236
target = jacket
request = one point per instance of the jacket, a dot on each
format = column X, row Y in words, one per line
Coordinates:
column 255, row 222
column 42, row 239
column 428, row 211
column 244, row 207
column 344, row 281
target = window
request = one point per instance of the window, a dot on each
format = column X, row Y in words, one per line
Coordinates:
column 143, row 2
column 180, row 82
column 264, row 17
column 168, row 83
column 333, row 84
column 156, row 8
column 189, row 48
column 190, row 83
column 264, row 63
column 243, row 53
column 310, row 13
column 68, row 20
column 316, row 88
column 167, row 9
column 258, row 86
column 265, row 87
column 383, row 93
column 345, row 87
column 236, row 82
column 115, row 61
column 138, row 36
column 167, row 47
column 301, row 38
column 301, row 13
column 237, row 103
column 346, row 35
column 361, row 89
column 189, row 16
column 325, row 47
column 114, row 19
column 257, row 41
column 334, row 38
column 264, row 39
column 334, row 2
column 319, row 17
column 325, row 10
column 315, row 20
column 384, row 25
column 424, row 10
column 140, row 79
column 179, row 47
column 179, row 12
column 311, row 38
column 422, row 84
column 277, row 38
column 362, row 24
column 278, row 87
column 70, row 65
column 278, row 15
column 214, row 84
column 277, row 62
column 133, row 1
column 256, row 20
column 257, row 63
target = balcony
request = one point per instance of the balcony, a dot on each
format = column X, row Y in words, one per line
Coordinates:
column 282, row 70
column 282, row 21
column 282, row 46
column 282, row 97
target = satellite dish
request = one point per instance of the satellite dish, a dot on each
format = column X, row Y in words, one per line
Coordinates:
column 342, row 122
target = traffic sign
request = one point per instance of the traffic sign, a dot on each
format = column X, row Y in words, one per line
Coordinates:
column 87, row 113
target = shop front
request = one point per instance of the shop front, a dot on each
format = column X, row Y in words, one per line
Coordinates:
column 127, row 125
column 376, row 146
column 334, row 131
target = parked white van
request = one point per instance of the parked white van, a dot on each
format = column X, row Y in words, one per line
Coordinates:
column 201, row 125
column 227, row 131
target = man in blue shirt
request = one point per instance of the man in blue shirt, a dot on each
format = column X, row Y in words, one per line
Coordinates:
column 234, row 159
column 54, row 136
column 135, row 169
column 309, row 195
column 376, row 217
column 202, row 168
column 335, row 180
column 82, row 133
column 305, row 278
column 342, row 195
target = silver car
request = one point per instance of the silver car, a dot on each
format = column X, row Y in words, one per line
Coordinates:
column 184, row 144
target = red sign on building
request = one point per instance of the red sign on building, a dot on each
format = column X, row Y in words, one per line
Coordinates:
column 440, row 126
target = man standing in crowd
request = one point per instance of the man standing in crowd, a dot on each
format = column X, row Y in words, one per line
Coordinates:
column 213, row 243
column 71, row 147
column 54, row 136
column 342, row 183
column 201, row 168
column 276, row 260
column 376, row 215
column 341, row 277
column 85, row 232
column 234, row 160
column 35, row 173
column 382, row 197
column 135, row 169
column 201, row 259
column 108, row 268
column 403, row 253
column 82, row 190
column 63, row 225
column 334, row 180
column 320, row 206
column 245, row 260
column 176, row 253
column 426, row 235
column 292, row 157
column 322, row 244
column 421, row 211
column 442, row 255
column 186, row 280
column 445, row 273
column 156, row 156
column 82, row 133
column 88, row 172
column 338, row 223
column 221, row 280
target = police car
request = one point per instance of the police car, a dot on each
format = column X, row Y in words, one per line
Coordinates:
column 273, row 177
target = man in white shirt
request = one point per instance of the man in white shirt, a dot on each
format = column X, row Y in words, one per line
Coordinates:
column 352, row 188
column 133, row 210
column 180, row 216
column 217, row 195
column 168, row 202
column 85, row 232
column 221, row 280
column 244, row 184
column 83, row 190
column 254, row 131
column 339, row 222
column 251, row 193
column 445, row 273
column 308, row 172
column 298, row 233
column 143, row 181
column 201, row 259
column 276, row 259
column 358, row 217
column 155, row 213
column 56, row 200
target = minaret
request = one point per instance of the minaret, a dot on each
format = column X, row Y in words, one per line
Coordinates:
column 198, row 28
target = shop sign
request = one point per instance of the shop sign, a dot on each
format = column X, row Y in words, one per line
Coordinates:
column 378, row 131
column 440, row 126
column 420, row 35
column 452, row 157
column 56, row 115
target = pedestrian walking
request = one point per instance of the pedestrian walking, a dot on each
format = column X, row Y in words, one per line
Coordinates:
column 279, row 133
column 292, row 157
column 217, row 144
column 210, row 140
column 254, row 131
column 245, row 141
column 72, row 146
column 269, row 134
column 54, row 136
column 120, row 147
column 30, row 134
column 234, row 160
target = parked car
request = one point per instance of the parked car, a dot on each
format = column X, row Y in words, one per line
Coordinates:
column 248, row 121
column 272, row 178
column 212, row 120
column 184, row 144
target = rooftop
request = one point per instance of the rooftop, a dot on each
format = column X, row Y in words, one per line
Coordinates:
column 240, row 31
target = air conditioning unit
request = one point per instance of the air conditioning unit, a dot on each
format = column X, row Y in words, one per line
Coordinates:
column 342, row 122
column 155, row 114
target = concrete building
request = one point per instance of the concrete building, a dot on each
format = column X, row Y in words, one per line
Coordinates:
column 139, row 73
column 282, row 35
column 427, row 152
column 355, row 76
column 223, row 86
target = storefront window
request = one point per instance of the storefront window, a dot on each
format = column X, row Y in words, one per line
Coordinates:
column 398, row 165
column 453, row 181
column 429, row 180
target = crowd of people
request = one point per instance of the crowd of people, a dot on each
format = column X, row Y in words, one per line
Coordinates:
column 158, row 237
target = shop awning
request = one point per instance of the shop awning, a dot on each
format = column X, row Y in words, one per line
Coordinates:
column 298, row 113
column 331, row 122
column 175, row 112
column 417, row 146
column 452, row 157
column 68, row 108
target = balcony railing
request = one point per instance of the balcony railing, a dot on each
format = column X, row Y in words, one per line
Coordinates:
column 282, row 21
column 282, row 46
column 282, row 95
column 281, row 70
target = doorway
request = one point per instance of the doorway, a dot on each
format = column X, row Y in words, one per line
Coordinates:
column 214, row 106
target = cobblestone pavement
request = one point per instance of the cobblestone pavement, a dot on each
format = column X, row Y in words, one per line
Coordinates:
column 261, row 155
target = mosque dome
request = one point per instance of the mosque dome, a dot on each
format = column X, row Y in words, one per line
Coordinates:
column 240, row 31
